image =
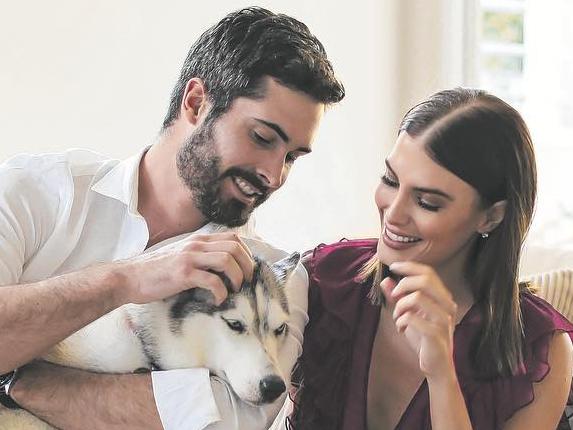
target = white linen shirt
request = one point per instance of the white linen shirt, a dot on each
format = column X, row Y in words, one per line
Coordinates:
column 65, row 211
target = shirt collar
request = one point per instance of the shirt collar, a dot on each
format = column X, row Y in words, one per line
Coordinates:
column 122, row 182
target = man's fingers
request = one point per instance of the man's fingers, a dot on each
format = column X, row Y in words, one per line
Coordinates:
column 209, row 281
column 222, row 263
column 223, row 237
column 236, row 248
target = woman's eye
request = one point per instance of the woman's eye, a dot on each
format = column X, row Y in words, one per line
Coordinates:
column 389, row 181
column 236, row 326
column 428, row 206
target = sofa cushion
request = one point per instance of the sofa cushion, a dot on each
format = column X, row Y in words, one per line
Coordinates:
column 556, row 287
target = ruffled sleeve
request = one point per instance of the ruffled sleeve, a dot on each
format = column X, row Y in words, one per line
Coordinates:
column 335, row 300
column 492, row 403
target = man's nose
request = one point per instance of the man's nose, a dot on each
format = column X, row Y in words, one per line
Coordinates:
column 272, row 171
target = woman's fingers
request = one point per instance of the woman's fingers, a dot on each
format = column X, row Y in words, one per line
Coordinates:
column 419, row 277
column 413, row 321
column 387, row 285
column 419, row 304
column 425, row 313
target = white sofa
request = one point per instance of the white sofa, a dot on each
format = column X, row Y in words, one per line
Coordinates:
column 551, row 270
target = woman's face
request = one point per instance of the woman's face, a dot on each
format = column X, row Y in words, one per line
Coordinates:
column 427, row 213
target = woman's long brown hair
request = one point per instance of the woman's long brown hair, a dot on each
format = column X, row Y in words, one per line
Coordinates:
column 485, row 142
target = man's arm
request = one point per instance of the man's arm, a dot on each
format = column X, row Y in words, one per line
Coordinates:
column 74, row 399
column 36, row 316
column 61, row 396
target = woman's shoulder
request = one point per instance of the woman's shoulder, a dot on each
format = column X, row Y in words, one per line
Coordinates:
column 507, row 395
column 334, row 285
column 340, row 259
column 540, row 318
column 541, row 321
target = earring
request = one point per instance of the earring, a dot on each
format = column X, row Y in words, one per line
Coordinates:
column 485, row 235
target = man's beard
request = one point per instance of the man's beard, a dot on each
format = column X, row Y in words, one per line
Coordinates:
column 198, row 165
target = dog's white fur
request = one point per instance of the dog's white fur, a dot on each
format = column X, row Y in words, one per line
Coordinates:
column 111, row 343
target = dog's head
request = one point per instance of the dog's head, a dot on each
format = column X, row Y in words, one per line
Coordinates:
column 240, row 340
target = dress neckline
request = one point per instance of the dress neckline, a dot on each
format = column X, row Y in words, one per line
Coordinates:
column 471, row 316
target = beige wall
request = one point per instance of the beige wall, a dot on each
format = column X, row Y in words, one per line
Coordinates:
column 97, row 74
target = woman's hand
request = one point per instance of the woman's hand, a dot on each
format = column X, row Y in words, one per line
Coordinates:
column 426, row 313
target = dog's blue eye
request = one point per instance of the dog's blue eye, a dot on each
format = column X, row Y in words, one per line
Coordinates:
column 281, row 329
column 235, row 325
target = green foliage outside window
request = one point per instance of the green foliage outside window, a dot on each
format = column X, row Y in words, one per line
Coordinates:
column 502, row 27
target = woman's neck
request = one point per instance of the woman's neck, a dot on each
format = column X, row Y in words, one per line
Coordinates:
column 453, row 277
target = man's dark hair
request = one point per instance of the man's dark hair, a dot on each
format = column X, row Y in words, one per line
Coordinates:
column 233, row 57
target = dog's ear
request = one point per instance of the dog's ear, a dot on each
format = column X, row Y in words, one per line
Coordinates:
column 191, row 301
column 192, row 295
column 284, row 268
column 202, row 295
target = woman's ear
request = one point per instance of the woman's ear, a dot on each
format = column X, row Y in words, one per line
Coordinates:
column 493, row 217
column 194, row 102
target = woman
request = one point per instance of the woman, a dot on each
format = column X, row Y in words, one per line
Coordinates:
column 428, row 327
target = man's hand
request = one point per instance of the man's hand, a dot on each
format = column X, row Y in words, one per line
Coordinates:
column 34, row 317
column 200, row 261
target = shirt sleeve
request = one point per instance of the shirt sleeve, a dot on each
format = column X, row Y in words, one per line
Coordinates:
column 31, row 193
column 17, row 236
column 190, row 399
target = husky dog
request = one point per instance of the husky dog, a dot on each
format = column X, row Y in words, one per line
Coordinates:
column 238, row 340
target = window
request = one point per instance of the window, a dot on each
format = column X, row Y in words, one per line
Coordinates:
column 502, row 50
column 525, row 56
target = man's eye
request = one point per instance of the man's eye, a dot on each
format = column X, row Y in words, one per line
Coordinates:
column 291, row 157
column 260, row 139
column 236, row 326
column 281, row 329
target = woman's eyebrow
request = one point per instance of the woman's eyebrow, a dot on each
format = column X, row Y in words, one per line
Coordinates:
column 422, row 189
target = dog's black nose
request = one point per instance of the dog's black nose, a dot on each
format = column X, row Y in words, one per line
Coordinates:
column 271, row 387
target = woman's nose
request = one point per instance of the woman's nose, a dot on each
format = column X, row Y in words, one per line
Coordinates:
column 396, row 213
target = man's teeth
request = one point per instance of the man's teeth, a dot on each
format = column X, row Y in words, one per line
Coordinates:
column 246, row 187
column 397, row 238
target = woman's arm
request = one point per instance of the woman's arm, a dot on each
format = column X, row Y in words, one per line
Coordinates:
column 550, row 394
column 425, row 313
column 448, row 409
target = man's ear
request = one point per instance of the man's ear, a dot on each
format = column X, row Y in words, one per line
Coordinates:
column 493, row 217
column 194, row 104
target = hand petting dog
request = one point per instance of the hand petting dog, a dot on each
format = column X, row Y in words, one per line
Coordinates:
column 200, row 261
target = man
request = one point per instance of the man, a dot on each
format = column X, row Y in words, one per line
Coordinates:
column 81, row 235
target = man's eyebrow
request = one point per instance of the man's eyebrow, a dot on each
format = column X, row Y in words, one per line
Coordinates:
column 422, row 189
column 276, row 128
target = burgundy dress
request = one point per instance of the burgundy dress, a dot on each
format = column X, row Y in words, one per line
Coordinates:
column 339, row 338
